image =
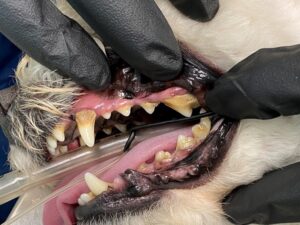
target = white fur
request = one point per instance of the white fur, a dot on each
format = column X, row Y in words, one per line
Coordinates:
column 240, row 28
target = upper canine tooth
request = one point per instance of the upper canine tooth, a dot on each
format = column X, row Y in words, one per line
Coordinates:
column 201, row 130
column 52, row 142
column 125, row 110
column 184, row 142
column 149, row 107
column 107, row 115
column 162, row 155
column 95, row 185
column 121, row 127
column 86, row 125
column 183, row 104
column 59, row 132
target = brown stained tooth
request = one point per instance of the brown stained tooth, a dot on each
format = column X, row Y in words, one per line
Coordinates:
column 121, row 127
column 185, row 143
column 59, row 132
column 125, row 110
column 162, row 155
column 201, row 130
column 149, row 107
column 184, row 104
column 107, row 131
column 86, row 125
column 95, row 185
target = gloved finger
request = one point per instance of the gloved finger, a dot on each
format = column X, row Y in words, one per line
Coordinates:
column 264, row 85
column 137, row 31
column 200, row 10
column 59, row 43
column 273, row 199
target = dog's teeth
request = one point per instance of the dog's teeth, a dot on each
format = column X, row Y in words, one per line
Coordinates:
column 95, row 185
column 107, row 115
column 86, row 125
column 121, row 127
column 52, row 142
column 184, row 104
column 149, row 107
column 125, row 110
column 51, row 150
column 85, row 198
column 184, row 142
column 59, row 132
column 63, row 149
column 162, row 155
column 107, row 131
column 81, row 142
column 201, row 130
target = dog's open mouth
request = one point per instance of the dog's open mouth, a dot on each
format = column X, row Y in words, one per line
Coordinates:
column 183, row 158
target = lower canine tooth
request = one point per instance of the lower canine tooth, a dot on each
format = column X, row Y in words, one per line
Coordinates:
column 149, row 107
column 52, row 142
column 95, row 185
column 125, row 111
column 121, row 127
column 86, row 125
column 59, row 132
column 183, row 104
column 184, row 142
column 107, row 131
column 162, row 155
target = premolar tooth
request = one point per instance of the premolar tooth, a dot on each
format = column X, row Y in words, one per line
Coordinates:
column 162, row 155
column 121, row 127
column 52, row 142
column 86, row 125
column 63, row 149
column 201, row 130
column 184, row 142
column 125, row 110
column 107, row 131
column 59, row 132
column 107, row 115
column 183, row 104
column 95, row 185
column 149, row 107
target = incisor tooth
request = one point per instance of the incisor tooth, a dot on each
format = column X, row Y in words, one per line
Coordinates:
column 95, row 185
column 149, row 107
column 51, row 150
column 85, row 198
column 184, row 142
column 107, row 130
column 63, row 149
column 80, row 202
column 201, row 130
column 52, row 142
column 125, row 110
column 59, row 132
column 162, row 155
column 86, row 125
column 107, row 115
column 183, row 104
column 121, row 127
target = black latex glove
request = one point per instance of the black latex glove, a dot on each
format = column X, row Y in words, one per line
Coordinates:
column 264, row 85
column 273, row 199
column 135, row 29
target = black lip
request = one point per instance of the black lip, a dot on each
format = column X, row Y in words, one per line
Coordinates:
column 144, row 190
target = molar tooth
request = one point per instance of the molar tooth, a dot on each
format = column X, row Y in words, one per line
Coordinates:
column 86, row 125
column 107, row 131
column 59, row 132
column 52, row 142
column 149, row 107
column 162, row 155
column 125, row 110
column 184, row 142
column 183, row 104
column 201, row 130
column 107, row 115
column 95, row 185
column 121, row 127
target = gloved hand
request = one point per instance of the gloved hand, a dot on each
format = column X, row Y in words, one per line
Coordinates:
column 135, row 29
column 273, row 199
column 264, row 85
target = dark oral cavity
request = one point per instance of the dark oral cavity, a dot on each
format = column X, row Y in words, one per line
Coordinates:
column 142, row 190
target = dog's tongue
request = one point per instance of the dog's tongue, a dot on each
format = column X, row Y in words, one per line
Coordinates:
column 60, row 210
